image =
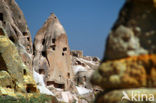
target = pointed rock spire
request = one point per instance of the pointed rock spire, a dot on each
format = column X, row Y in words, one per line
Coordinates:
column 52, row 54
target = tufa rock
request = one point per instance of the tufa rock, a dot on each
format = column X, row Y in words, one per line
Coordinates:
column 13, row 21
column 15, row 78
column 134, row 31
column 132, row 72
column 52, row 54
column 129, row 63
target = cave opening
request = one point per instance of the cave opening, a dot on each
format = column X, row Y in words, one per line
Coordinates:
column 25, row 33
column 53, row 40
column 30, row 88
column 2, row 63
column 2, row 32
column 1, row 16
column 12, row 38
column 65, row 49
column 24, row 72
column 56, row 85
column 53, row 47
column 43, row 41
column 44, row 53
column 68, row 75
column 28, row 38
column 41, row 71
column 62, row 54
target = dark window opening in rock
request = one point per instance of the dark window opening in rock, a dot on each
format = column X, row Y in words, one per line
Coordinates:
column 43, row 41
column 28, row 38
column 78, row 62
column 25, row 34
column 85, row 78
column 95, row 59
column 53, row 47
column 68, row 75
column 53, row 40
column 2, row 32
column 4, row 22
column 78, row 80
column 30, row 88
column 24, row 72
column 62, row 54
column 44, row 53
column 12, row 39
column 1, row 16
column 8, row 86
column 75, row 55
column 56, row 85
column 2, row 63
column 41, row 71
column 126, row 38
column 65, row 49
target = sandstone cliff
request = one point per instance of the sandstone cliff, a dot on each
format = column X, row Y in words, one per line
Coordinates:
column 15, row 77
column 15, row 25
column 129, row 63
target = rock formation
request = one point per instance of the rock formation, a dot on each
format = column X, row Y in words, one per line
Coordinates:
column 15, row 78
column 15, row 25
column 65, row 73
column 129, row 64
column 52, row 54
column 83, row 67
column 134, row 31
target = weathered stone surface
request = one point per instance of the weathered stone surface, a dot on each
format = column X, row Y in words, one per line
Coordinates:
column 83, row 68
column 116, row 96
column 135, row 71
column 134, row 32
column 52, row 54
column 77, row 53
column 13, row 21
column 14, row 75
column 130, row 55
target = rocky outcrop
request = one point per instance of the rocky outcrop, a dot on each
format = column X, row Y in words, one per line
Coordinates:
column 134, row 31
column 52, row 54
column 132, row 72
column 13, row 21
column 83, row 67
column 15, row 77
column 127, row 73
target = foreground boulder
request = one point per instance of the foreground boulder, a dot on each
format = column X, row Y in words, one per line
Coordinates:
column 14, row 23
column 134, row 32
column 128, row 71
column 15, row 78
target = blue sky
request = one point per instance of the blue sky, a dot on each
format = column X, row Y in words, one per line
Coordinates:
column 87, row 22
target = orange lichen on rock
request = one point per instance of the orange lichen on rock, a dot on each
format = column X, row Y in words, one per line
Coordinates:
column 130, row 72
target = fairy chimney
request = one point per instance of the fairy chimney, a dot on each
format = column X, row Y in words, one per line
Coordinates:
column 52, row 54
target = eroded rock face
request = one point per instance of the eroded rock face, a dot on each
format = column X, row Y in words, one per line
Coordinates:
column 15, row 77
column 134, row 31
column 129, row 63
column 132, row 72
column 52, row 54
column 13, row 21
